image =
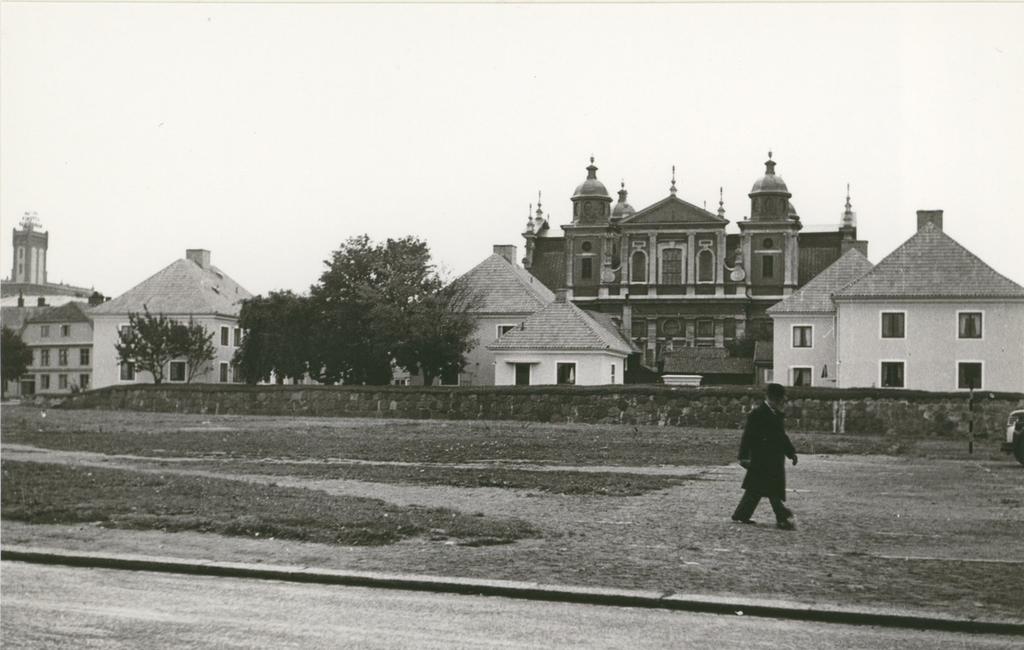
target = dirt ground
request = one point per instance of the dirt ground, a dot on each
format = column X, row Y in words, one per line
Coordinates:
column 928, row 533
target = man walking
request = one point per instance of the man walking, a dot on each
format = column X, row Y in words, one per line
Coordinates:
column 763, row 452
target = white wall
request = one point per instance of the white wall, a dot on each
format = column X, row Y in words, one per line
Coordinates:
column 106, row 368
column 821, row 353
column 592, row 368
column 479, row 370
column 931, row 348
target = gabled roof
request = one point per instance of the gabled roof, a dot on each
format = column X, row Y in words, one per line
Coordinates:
column 706, row 361
column 565, row 327
column 67, row 313
column 502, row 288
column 931, row 264
column 183, row 287
column 816, row 295
column 673, row 210
column 15, row 317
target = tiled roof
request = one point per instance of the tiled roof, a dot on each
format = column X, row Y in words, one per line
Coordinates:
column 66, row 313
column 763, row 351
column 931, row 264
column 502, row 288
column 14, row 317
column 706, row 361
column 816, row 295
column 183, row 287
column 562, row 326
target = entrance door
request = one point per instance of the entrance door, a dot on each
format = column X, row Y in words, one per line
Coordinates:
column 28, row 387
column 522, row 374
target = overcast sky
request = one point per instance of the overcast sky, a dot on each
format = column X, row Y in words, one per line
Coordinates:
column 269, row 134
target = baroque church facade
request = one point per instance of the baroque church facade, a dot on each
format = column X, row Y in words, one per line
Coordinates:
column 672, row 274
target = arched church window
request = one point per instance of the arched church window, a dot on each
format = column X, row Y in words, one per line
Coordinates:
column 705, row 266
column 638, row 267
column 672, row 266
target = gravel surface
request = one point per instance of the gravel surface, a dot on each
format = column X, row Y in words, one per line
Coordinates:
column 936, row 534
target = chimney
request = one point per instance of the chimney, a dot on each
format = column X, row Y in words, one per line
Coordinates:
column 508, row 251
column 561, row 294
column 929, row 216
column 95, row 299
column 859, row 244
column 41, row 301
column 200, row 256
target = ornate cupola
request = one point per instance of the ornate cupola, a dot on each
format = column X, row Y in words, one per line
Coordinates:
column 769, row 198
column 849, row 221
column 622, row 209
column 591, row 202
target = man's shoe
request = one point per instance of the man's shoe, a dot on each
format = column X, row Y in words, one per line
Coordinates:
column 786, row 524
column 744, row 521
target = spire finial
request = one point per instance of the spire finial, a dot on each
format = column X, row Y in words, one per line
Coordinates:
column 540, row 213
column 849, row 216
column 721, row 202
column 529, row 218
column 769, row 154
column 672, row 189
column 591, row 159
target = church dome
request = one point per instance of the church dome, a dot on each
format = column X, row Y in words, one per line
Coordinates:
column 622, row 209
column 770, row 182
column 591, row 186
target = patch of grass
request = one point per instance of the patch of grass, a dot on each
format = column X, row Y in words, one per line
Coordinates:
column 41, row 493
column 553, row 482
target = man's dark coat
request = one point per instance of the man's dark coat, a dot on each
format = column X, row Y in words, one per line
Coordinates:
column 766, row 445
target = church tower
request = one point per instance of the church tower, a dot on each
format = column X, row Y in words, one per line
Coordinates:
column 769, row 236
column 591, row 203
column 29, row 254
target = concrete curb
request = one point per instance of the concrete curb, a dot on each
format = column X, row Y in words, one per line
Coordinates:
column 518, row 590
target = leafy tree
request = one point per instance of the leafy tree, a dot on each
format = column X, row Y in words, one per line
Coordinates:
column 438, row 333
column 150, row 342
column 15, row 357
column 278, row 336
column 379, row 304
column 195, row 343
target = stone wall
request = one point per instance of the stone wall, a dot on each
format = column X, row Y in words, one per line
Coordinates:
column 871, row 411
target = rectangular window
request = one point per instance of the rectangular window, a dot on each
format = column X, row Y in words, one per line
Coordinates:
column 83, row 356
column 705, row 328
column 968, row 375
column 672, row 266
column 729, row 328
column 225, row 333
column 566, row 373
column 802, row 337
column 224, row 372
column 613, row 373
column 62, row 382
column 62, row 357
column 586, row 268
column 65, row 330
column 801, row 377
column 44, row 358
column 504, row 328
column 44, row 331
column 44, row 382
column 177, row 371
column 893, row 325
column 238, row 337
column 767, row 267
column 236, row 374
column 127, row 371
column 892, row 374
column 969, row 325
column 83, row 381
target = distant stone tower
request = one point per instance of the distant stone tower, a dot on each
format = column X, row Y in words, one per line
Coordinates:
column 29, row 258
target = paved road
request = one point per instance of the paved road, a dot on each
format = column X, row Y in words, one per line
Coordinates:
column 54, row 607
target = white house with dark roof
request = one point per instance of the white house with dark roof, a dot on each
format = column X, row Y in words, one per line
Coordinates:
column 188, row 288
column 506, row 295
column 931, row 316
column 562, row 344
column 804, row 345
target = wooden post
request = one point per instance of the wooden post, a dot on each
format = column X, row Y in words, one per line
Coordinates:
column 970, row 421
